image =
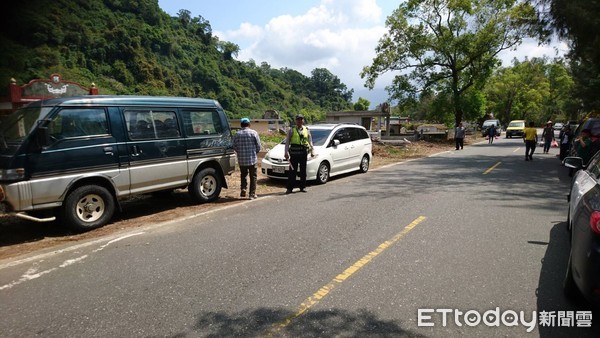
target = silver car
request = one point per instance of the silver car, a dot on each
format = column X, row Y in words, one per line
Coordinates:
column 338, row 149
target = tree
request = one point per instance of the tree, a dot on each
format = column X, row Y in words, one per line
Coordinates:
column 447, row 45
column 577, row 22
column 362, row 104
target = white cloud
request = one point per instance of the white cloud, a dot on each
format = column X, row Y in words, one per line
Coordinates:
column 340, row 35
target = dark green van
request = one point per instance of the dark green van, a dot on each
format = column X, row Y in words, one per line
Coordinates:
column 77, row 157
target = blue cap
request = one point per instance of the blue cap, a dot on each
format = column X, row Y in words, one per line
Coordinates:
column 245, row 120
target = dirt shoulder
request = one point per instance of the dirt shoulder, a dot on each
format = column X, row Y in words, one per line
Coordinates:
column 18, row 237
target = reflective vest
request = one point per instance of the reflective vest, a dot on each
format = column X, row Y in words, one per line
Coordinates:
column 296, row 139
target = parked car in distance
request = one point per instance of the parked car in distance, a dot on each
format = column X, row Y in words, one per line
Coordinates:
column 486, row 125
column 338, row 148
column 558, row 126
column 583, row 224
column 75, row 158
column 515, row 128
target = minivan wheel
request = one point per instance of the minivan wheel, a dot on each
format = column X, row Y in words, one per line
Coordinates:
column 364, row 164
column 88, row 207
column 206, row 186
column 323, row 173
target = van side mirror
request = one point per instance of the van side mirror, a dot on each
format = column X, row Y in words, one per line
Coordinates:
column 42, row 138
column 573, row 162
column 336, row 142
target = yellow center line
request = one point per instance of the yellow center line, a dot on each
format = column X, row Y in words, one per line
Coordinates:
column 340, row 278
column 492, row 168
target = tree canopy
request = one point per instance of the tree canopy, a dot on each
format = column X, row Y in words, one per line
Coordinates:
column 134, row 47
column 448, row 47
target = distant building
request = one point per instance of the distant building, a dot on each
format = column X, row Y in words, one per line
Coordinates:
column 373, row 120
column 270, row 123
column 39, row 89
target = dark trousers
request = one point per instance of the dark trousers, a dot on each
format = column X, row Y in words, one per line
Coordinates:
column 564, row 150
column 460, row 142
column 547, row 144
column 298, row 168
column 529, row 148
column 244, row 172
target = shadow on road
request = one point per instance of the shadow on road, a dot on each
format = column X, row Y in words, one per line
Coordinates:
column 550, row 296
column 326, row 323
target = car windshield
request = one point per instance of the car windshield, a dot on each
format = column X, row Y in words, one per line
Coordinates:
column 319, row 136
column 489, row 123
column 16, row 126
column 517, row 124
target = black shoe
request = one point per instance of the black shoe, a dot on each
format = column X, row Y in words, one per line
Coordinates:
column 243, row 193
column 530, row 158
column 289, row 191
column 526, row 159
column 302, row 189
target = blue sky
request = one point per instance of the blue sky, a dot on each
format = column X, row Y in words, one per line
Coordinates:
column 340, row 35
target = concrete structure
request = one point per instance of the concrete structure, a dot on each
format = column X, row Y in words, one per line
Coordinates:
column 373, row 120
column 40, row 89
column 270, row 123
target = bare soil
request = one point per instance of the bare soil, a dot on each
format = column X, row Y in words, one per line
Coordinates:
column 18, row 237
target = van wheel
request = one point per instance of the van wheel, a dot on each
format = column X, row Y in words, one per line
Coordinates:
column 206, row 186
column 323, row 173
column 364, row 164
column 88, row 207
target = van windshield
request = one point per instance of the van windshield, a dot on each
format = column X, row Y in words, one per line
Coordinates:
column 517, row 124
column 16, row 126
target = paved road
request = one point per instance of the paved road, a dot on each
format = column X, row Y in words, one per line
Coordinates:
column 478, row 229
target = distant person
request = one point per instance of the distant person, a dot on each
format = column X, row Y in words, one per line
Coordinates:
column 459, row 136
column 565, row 136
column 530, row 138
column 298, row 144
column 246, row 144
column 548, row 136
column 491, row 134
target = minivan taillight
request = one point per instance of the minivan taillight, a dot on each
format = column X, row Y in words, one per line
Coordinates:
column 595, row 222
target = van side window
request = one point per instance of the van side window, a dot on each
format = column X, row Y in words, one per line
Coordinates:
column 201, row 122
column 149, row 124
column 78, row 122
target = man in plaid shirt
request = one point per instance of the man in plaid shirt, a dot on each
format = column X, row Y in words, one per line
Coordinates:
column 246, row 144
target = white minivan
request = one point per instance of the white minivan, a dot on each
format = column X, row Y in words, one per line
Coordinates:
column 339, row 148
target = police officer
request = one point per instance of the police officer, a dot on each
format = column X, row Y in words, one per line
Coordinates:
column 298, row 144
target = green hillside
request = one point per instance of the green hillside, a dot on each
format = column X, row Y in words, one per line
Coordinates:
column 134, row 47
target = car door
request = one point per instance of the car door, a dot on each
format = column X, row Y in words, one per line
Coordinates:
column 340, row 154
column 355, row 147
column 156, row 150
column 584, row 200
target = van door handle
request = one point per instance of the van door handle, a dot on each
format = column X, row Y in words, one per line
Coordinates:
column 108, row 151
column 135, row 151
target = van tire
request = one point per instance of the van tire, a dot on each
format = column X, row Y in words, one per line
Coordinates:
column 88, row 207
column 206, row 186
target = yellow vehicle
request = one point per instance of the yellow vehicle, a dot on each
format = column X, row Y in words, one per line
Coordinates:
column 515, row 128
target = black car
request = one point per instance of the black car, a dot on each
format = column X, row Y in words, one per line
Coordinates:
column 583, row 223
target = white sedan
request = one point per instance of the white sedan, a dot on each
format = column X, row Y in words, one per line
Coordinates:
column 338, row 149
